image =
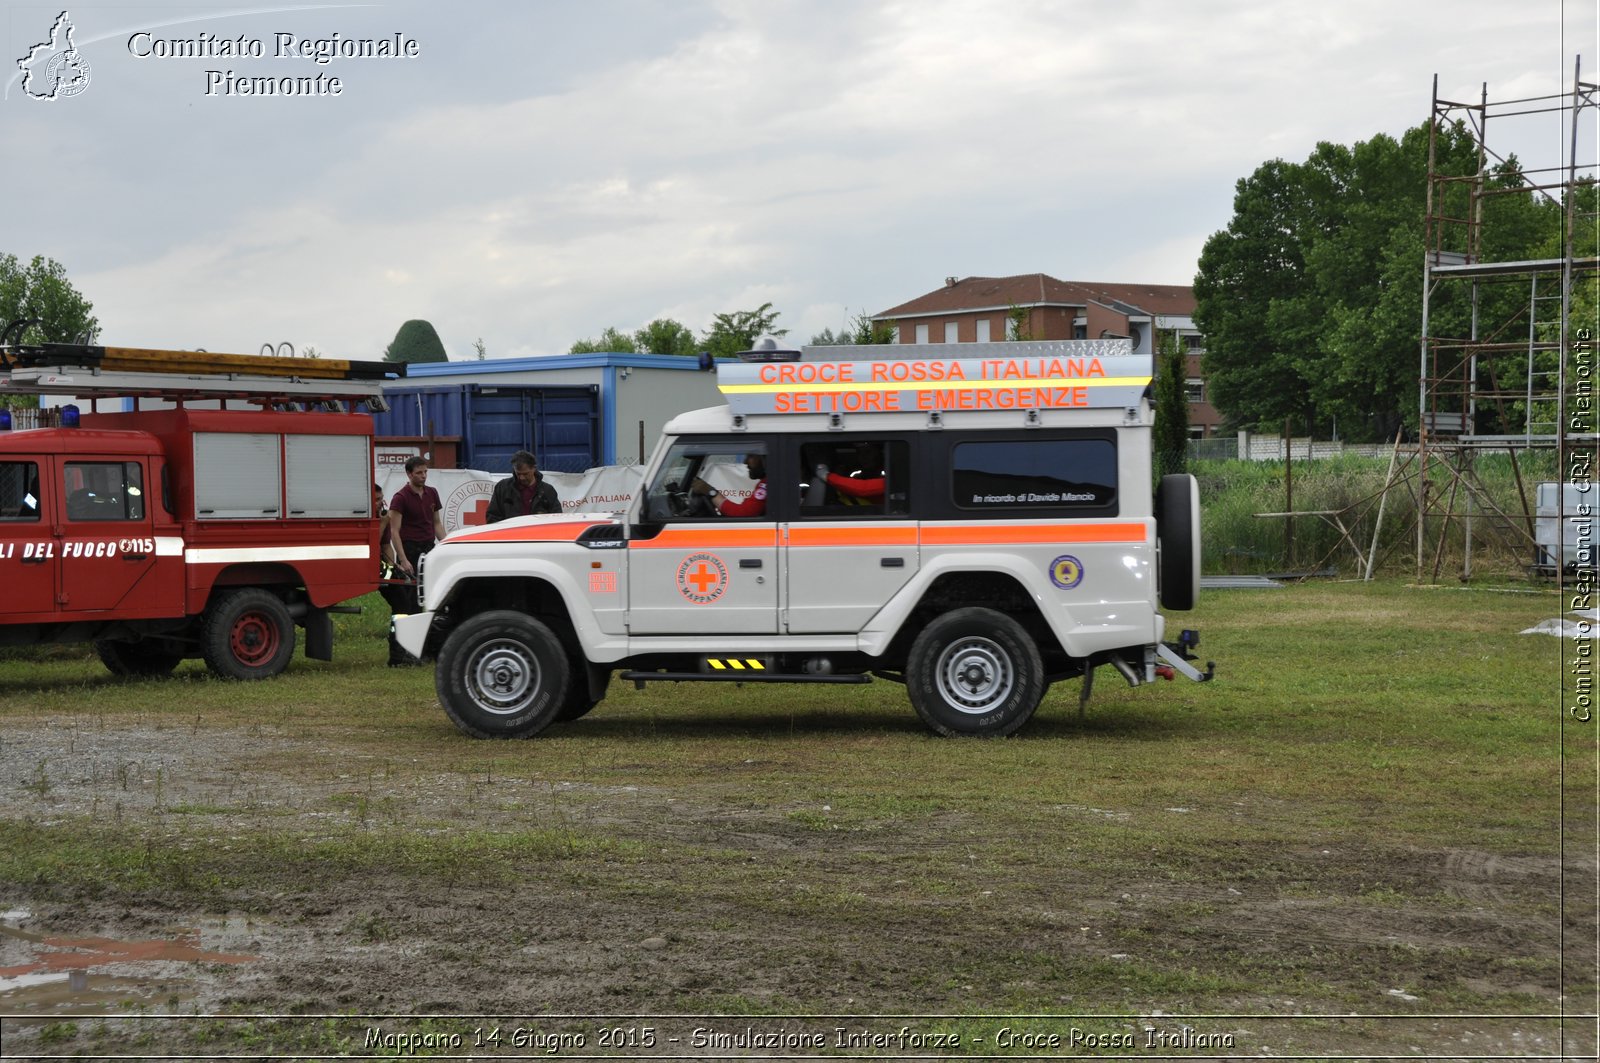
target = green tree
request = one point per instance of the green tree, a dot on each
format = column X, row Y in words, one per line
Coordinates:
column 1311, row 298
column 1171, row 434
column 40, row 290
column 611, row 341
column 1020, row 322
column 57, row 311
column 737, row 331
column 416, row 341
column 864, row 330
column 666, row 336
column 479, row 346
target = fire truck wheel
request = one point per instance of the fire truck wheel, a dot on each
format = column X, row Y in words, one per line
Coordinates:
column 502, row 674
column 1178, row 536
column 974, row 672
column 137, row 658
column 247, row 634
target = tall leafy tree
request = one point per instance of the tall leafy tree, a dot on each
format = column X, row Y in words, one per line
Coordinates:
column 1171, row 433
column 864, row 330
column 416, row 341
column 41, row 290
column 611, row 341
column 1311, row 298
column 665, row 336
column 736, row 331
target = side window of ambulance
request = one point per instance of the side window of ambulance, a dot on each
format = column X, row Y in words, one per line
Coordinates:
column 855, row 478
column 104, row 490
column 1035, row 474
column 19, row 491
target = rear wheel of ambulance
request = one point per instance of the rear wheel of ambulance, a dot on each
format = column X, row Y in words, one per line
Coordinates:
column 974, row 672
column 145, row 658
column 247, row 634
column 1178, row 539
column 502, row 674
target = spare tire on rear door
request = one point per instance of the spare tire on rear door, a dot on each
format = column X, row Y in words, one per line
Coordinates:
column 1178, row 540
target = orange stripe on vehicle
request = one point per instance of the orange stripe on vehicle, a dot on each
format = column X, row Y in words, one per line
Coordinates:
column 542, row 533
column 703, row 538
column 991, row 534
column 806, row 535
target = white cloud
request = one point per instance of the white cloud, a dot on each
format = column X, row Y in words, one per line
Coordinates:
column 818, row 155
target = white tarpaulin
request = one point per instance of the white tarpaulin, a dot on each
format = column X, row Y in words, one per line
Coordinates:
column 1587, row 625
column 465, row 492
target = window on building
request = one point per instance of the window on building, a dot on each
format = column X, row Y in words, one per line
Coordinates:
column 952, row 332
column 1194, row 342
column 922, row 333
column 1194, row 389
column 983, row 330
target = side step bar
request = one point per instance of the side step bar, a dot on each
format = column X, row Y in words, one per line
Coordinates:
column 641, row 678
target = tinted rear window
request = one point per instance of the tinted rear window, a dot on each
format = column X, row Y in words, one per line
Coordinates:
column 1035, row 474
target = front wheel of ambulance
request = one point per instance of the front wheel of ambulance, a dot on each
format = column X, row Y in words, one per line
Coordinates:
column 502, row 674
column 974, row 672
column 247, row 634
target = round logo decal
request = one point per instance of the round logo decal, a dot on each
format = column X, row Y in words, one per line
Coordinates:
column 465, row 506
column 702, row 578
column 1066, row 572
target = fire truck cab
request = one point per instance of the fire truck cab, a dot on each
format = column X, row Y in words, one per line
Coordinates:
column 975, row 522
column 176, row 526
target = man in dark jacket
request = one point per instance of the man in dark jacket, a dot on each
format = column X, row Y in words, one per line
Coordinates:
column 523, row 492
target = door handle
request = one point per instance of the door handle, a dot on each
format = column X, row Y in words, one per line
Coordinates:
column 134, row 557
column 892, row 562
column 749, row 562
column 34, row 560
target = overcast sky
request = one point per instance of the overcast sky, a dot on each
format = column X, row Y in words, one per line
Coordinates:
column 540, row 170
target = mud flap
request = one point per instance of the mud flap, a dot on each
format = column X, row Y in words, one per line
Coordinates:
column 319, row 634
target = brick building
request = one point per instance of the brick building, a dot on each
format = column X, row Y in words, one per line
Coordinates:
column 981, row 310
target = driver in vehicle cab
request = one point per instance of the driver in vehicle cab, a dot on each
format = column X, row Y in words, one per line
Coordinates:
column 754, row 506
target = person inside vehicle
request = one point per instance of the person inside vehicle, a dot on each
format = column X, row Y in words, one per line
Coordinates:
column 754, row 506
column 865, row 485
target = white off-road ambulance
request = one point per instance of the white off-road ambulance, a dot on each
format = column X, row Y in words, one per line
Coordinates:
column 974, row 521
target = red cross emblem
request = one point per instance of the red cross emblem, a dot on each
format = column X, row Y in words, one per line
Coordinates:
column 702, row 578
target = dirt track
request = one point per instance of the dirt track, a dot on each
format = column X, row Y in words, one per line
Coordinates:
column 849, row 921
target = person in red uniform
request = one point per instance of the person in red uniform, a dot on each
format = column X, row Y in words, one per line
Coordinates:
column 754, row 506
column 864, row 487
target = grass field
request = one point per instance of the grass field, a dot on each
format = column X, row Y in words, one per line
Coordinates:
column 1362, row 815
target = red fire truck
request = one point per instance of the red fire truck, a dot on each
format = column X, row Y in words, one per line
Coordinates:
column 186, row 504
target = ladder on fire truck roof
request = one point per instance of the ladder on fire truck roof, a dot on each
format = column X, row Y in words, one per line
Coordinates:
column 89, row 372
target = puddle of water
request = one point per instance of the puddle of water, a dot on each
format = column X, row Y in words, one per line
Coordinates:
column 58, row 977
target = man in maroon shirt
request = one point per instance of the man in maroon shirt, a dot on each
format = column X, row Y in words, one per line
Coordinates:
column 416, row 517
column 416, row 522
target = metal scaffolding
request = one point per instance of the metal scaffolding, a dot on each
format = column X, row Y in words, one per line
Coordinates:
column 1497, row 337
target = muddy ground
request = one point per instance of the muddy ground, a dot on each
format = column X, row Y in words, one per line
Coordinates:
column 713, row 901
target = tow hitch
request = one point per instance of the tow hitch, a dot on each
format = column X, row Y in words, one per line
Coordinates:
column 1177, row 656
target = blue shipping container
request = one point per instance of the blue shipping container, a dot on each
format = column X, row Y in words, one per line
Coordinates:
column 561, row 425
